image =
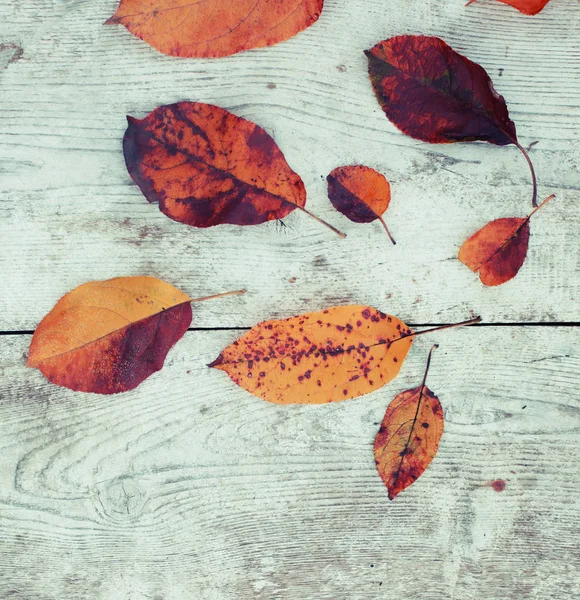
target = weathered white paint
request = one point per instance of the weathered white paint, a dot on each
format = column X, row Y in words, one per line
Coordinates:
column 70, row 212
column 189, row 487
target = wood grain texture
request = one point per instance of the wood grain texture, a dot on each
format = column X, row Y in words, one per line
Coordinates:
column 189, row 487
column 71, row 212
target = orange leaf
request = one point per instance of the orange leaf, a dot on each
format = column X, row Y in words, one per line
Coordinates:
column 213, row 28
column 328, row 356
column 108, row 336
column 409, row 436
column 528, row 7
column 206, row 166
column 498, row 249
column 360, row 193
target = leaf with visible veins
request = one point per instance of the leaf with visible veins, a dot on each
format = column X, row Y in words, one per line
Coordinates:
column 498, row 250
column 214, row 28
column 327, row 356
column 408, row 438
column 109, row 336
column 434, row 94
column 360, row 193
column 206, row 166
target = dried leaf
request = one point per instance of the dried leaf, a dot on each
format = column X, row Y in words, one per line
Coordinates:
column 108, row 336
column 528, row 7
column 328, row 356
column 498, row 249
column 436, row 95
column 213, row 28
column 206, row 166
column 360, row 193
column 409, row 436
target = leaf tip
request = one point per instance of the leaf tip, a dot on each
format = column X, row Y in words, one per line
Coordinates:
column 217, row 362
column 114, row 20
column 132, row 120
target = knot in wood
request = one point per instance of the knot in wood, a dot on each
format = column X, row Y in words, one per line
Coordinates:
column 121, row 499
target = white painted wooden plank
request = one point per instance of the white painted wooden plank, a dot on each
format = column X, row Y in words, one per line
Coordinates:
column 71, row 213
column 189, row 487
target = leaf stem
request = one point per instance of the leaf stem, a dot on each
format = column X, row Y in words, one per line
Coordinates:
column 339, row 233
column 440, row 327
column 543, row 203
column 534, row 180
column 404, row 453
column 427, row 370
column 236, row 293
column 387, row 230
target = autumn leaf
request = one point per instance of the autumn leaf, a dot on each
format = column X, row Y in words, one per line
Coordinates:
column 499, row 249
column 108, row 336
column 328, row 356
column 434, row 94
column 409, row 436
column 206, row 166
column 214, row 28
column 360, row 193
column 528, row 7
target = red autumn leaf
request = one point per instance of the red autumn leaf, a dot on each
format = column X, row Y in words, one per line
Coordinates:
column 498, row 249
column 360, row 193
column 108, row 336
column 409, row 436
column 206, row 166
column 327, row 356
column 434, row 94
column 213, row 28
column 528, row 7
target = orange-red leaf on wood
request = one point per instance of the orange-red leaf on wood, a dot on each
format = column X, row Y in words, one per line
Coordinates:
column 434, row 94
column 206, row 166
column 360, row 193
column 498, row 250
column 213, row 28
column 108, row 336
column 528, row 7
column 408, row 438
column 327, row 356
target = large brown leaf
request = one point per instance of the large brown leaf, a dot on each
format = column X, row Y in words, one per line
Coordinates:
column 213, row 28
column 434, row 94
column 409, row 436
column 206, row 166
column 327, row 356
column 108, row 336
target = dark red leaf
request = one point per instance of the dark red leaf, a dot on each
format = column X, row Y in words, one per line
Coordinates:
column 434, row 94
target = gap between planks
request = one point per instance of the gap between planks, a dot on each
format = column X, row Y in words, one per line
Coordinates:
column 412, row 325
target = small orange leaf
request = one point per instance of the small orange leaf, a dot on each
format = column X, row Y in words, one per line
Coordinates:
column 360, row 193
column 409, row 436
column 498, row 249
column 527, row 7
column 108, row 336
column 328, row 356
column 213, row 28
column 206, row 166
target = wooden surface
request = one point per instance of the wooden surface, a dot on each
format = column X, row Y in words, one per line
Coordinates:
column 190, row 488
